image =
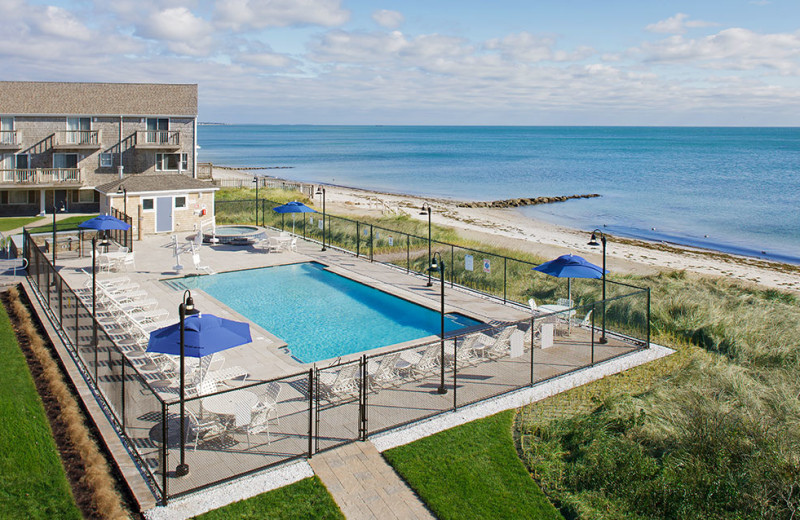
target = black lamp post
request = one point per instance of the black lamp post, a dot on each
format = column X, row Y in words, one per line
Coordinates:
column 186, row 307
column 59, row 209
column 321, row 191
column 103, row 242
column 593, row 242
column 255, row 180
column 124, row 192
column 438, row 265
column 426, row 208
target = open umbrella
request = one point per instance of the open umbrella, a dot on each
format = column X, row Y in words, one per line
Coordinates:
column 570, row 266
column 104, row 223
column 293, row 207
column 204, row 334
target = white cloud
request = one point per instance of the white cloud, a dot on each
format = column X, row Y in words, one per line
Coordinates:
column 59, row 22
column 179, row 29
column 258, row 14
column 388, row 19
column 733, row 49
column 529, row 48
column 677, row 24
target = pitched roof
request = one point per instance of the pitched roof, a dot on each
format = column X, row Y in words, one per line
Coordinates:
column 87, row 99
column 149, row 183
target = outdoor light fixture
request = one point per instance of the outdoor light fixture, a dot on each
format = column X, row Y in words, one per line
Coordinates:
column 124, row 192
column 426, row 209
column 255, row 180
column 593, row 242
column 321, row 191
column 56, row 209
column 185, row 308
column 438, row 266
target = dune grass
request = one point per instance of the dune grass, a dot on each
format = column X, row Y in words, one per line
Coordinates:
column 34, row 484
column 472, row 472
column 306, row 499
column 9, row 223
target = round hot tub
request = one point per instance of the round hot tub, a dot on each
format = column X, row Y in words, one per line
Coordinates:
column 235, row 235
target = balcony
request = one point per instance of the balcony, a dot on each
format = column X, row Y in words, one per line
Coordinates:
column 41, row 177
column 158, row 140
column 10, row 140
column 77, row 140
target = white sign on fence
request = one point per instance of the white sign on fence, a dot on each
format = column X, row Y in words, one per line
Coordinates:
column 468, row 262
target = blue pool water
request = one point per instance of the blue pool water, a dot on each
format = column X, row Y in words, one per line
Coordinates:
column 322, row 315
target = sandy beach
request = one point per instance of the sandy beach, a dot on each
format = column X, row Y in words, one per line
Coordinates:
column 509, row 228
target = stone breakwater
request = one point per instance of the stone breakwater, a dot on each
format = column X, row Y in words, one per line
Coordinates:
column 515, row 203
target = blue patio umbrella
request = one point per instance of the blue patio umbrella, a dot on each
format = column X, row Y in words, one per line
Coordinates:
column 104, row 223
column 204, row 334
column 570, row 266
column 293, row 207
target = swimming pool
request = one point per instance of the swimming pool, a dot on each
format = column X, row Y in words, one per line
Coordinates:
column 322, row 315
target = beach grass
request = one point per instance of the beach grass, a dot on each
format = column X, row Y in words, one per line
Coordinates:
column 9, row 223
column 34, row 484
column 306, row 499
column 472, row 472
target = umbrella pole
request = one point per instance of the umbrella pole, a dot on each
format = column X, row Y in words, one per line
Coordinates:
column 183, row 468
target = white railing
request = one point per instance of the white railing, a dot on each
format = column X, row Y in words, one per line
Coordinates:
column 78, row 137
column 158, row 137
column 41, row 176
column 9, row 137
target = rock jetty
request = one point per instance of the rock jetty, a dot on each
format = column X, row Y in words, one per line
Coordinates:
column 515, row 203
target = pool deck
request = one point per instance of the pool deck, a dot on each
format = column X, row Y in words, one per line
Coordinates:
column 405, row 401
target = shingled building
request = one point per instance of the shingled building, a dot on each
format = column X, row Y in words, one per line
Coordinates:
column 58, row 141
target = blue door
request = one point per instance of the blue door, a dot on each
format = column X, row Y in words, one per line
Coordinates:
column 163, row 214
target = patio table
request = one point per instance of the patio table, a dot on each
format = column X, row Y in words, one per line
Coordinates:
column 237, row 405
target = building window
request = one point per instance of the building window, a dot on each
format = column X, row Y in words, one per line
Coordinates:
column 180, row 202
column 106, row 160
column 18, row 196
column 22, row 161
column 172, row 162
column 85, row 196
column 65, row 160
column 147, row 204
column 157, row 130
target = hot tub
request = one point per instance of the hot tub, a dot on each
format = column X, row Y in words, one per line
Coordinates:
column 235, row 235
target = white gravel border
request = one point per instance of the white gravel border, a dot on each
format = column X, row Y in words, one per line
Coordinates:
column 250, row 486
column 410, row 433
column 230, row 492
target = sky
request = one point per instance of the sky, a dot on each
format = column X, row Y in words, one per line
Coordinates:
column 434, row 62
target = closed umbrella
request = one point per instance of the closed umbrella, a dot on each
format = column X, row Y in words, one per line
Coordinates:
column 293, row 207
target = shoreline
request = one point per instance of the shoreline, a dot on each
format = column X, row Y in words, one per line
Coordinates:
column 507, row 227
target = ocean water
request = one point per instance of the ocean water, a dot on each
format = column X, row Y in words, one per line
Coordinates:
column 727, row 189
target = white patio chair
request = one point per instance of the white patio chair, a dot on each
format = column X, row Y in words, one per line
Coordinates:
column 259, row 423
column 198, row 267
column 269, row 401
column 274, row 245
column 128, row 261
column 293, row 245
column 205, row 428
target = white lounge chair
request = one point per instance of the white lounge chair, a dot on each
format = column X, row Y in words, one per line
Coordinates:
column 339, row 384
column 498, row 345
column 384, row 372
column 426, row 362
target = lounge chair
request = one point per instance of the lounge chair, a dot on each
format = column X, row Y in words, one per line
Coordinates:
column 534, row 308
column 426, row 362
column 498, row 345
column 340, row 384
column 384, row 372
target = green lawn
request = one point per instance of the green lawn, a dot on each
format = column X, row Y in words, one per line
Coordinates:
column 62, row 225
column 9, row 223
column 472, row 471
column 305, row 499
column 33, row 483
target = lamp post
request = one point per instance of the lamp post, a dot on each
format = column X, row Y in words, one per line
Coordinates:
column 255, row 180
column 426, row 208
column 593, row 242
column 186, row 307
column 124, row 192
column 321, row 191
column 56, row 209
column 438, row 265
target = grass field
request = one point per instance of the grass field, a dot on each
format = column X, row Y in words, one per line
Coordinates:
column 472, row 472
column 66, row 224
column 9, row 223
column 307, row 499
column 33, row 483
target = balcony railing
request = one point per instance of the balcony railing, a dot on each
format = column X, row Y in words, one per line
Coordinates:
column 158, row 139
column 10, row 139
column 41, row 176
column 72, row 139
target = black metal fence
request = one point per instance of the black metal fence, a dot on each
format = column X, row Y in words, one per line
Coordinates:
column 122, row 237
column 235, row 430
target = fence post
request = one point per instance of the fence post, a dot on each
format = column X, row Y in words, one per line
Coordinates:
column 408, row 254
column 358, row 238
column 455, row 373
column 60, row 302
column 452, row 264
column 122, row 400
column 77, row 325
column 370, row 242
column 505, row 277
column 648, row 317
column 164, row 443
column 533, row 346
column 593, row 313
column 310, row 412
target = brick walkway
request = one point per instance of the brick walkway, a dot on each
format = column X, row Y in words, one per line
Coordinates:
column 365, row 486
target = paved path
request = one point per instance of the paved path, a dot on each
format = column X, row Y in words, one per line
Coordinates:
column 365, row 486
